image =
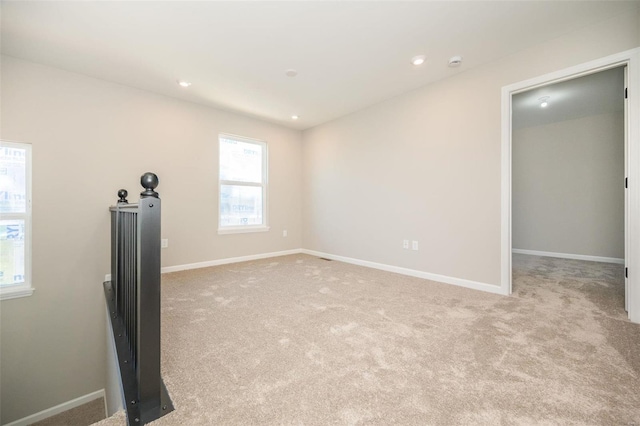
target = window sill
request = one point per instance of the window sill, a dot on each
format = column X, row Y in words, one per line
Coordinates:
column 243, row 229
column 14, row 293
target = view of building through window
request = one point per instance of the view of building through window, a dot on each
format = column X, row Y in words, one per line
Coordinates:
column 13, row 212
column 242, row 183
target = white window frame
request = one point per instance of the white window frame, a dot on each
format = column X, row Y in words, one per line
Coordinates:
column 23, row 289
column 264, row 185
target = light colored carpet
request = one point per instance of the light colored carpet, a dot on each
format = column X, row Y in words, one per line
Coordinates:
column 118, row 419
column 300, row 340
column 84, row 415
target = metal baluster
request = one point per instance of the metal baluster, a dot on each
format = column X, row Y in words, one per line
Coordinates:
column 132, row 280
column 134, row 286
column 125, row 254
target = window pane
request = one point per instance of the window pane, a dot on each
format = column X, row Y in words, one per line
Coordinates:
column 240, row 205
column 240, row 161
column 13, row 186
column 12, row 252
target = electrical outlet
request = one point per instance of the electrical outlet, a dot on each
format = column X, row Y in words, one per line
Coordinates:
column 284, row 233
column 164, row 243
column 414, row 245
column 405, row 244
column 107, row 278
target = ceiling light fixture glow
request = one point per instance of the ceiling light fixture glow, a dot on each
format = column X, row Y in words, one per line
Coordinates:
column 418, row 60
column 183, row 83
column 544, row 101
column 294, row 117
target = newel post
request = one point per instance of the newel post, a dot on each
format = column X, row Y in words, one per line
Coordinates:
column 148, row 370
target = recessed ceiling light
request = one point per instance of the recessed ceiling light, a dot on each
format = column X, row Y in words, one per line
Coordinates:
column 544, row 101
column 455, row 61
column 418, row 60
column 291, row 72
column 294, row 117
column 184, row 83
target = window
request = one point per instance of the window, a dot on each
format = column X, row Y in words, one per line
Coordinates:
column 15, row 220
column 243, row 185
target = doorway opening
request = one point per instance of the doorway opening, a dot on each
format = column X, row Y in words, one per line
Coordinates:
column 619, row 238
column 568, row 195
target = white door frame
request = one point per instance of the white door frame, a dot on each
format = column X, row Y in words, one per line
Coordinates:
column 630, row 58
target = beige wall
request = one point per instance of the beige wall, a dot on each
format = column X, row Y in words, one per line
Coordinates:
column 425, row 166
column 568, row 194
column 91, row 138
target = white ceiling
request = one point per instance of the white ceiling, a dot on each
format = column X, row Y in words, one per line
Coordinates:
column 598, row 93
column 349, row 55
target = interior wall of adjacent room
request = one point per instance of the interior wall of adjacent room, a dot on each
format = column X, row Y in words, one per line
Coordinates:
column 568, row 194
column 425, row 165
column 91, row 138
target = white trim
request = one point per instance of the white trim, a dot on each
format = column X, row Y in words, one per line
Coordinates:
column 475, row 285
column 228, row 260
column 25, row 288
column 633, row 192
column 240, row 138
column 106, row 409
column 630, row 58
column 626, row 192
column 264, row 185
column 505, row 196
column 570, row 256
column 60, row 408
column 243, row 229
column 15, row 293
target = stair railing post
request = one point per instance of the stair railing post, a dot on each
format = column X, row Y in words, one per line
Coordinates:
column 148, row 321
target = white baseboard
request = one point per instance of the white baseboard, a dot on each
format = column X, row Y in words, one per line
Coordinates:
column 570, row 256
column 61, row 408
column 228, row 260
column 475, row 285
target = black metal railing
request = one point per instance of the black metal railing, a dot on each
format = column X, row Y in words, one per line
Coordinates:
column 133, row 300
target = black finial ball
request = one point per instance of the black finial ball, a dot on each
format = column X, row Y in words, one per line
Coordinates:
column 149, row 182
column 122, row 194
